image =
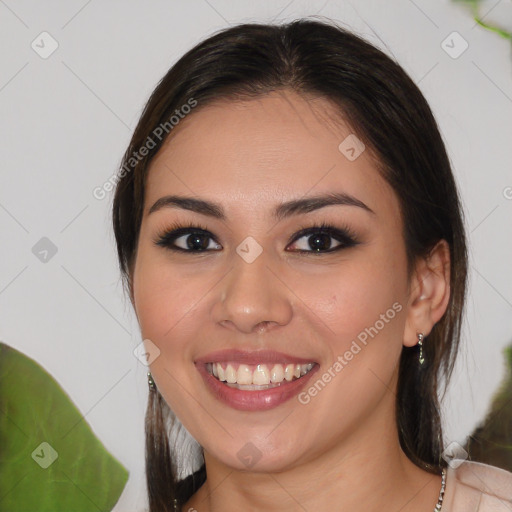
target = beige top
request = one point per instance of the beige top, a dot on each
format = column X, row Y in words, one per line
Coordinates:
column 474, row 486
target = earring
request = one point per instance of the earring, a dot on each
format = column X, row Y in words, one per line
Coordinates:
column 151, row 382
column 420, row 343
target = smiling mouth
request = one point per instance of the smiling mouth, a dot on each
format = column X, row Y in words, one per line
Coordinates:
column 256, row 377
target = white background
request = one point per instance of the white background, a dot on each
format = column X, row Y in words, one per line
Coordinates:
column 66, row 121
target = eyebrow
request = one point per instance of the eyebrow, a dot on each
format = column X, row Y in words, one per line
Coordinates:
column 282, row 211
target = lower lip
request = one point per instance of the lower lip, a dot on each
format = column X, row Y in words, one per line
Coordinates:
column 254, row 400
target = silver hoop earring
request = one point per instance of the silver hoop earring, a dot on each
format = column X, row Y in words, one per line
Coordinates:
column 420, row 343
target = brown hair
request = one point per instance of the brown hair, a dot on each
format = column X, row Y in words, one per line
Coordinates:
column 391, row 116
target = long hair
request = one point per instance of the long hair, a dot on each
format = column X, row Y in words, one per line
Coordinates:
column 389, row 114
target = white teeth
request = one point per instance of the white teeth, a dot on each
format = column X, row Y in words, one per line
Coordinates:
column 259, row 376
column 288, row 372
column 277, row 373
column 244, row 375
column 230, row 374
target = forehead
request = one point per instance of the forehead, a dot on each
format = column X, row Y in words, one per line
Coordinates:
column 263, row 150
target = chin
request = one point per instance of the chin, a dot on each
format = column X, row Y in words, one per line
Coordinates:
column 259, row 454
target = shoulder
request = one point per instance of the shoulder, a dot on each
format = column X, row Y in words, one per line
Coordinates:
column 476, row 486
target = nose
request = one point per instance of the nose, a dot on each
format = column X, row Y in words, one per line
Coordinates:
column 252, row 298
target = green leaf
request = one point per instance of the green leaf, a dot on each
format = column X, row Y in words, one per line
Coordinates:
column 50, row 459
column 474, row 6
column 491, row 441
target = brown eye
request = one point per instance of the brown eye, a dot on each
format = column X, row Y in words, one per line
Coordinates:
column 319, row 239
column 188, row 239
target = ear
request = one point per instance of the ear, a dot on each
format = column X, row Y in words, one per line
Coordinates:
column 429, row 293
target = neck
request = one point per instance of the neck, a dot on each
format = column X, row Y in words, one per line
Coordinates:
column 364, row 471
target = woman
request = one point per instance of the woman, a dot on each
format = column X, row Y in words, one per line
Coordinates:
column 291, row 237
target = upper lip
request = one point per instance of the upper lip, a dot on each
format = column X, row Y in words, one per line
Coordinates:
column 251, row 357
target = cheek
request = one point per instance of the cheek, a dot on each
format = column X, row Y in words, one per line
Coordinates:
column 351, row 298
column 165, row 300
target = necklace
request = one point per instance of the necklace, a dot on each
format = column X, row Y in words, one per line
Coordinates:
column 441, row 493
column 436, row 509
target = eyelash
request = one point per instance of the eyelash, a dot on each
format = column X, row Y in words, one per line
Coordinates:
column 344, row 235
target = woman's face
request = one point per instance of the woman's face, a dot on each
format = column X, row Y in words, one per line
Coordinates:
column 242, row 295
